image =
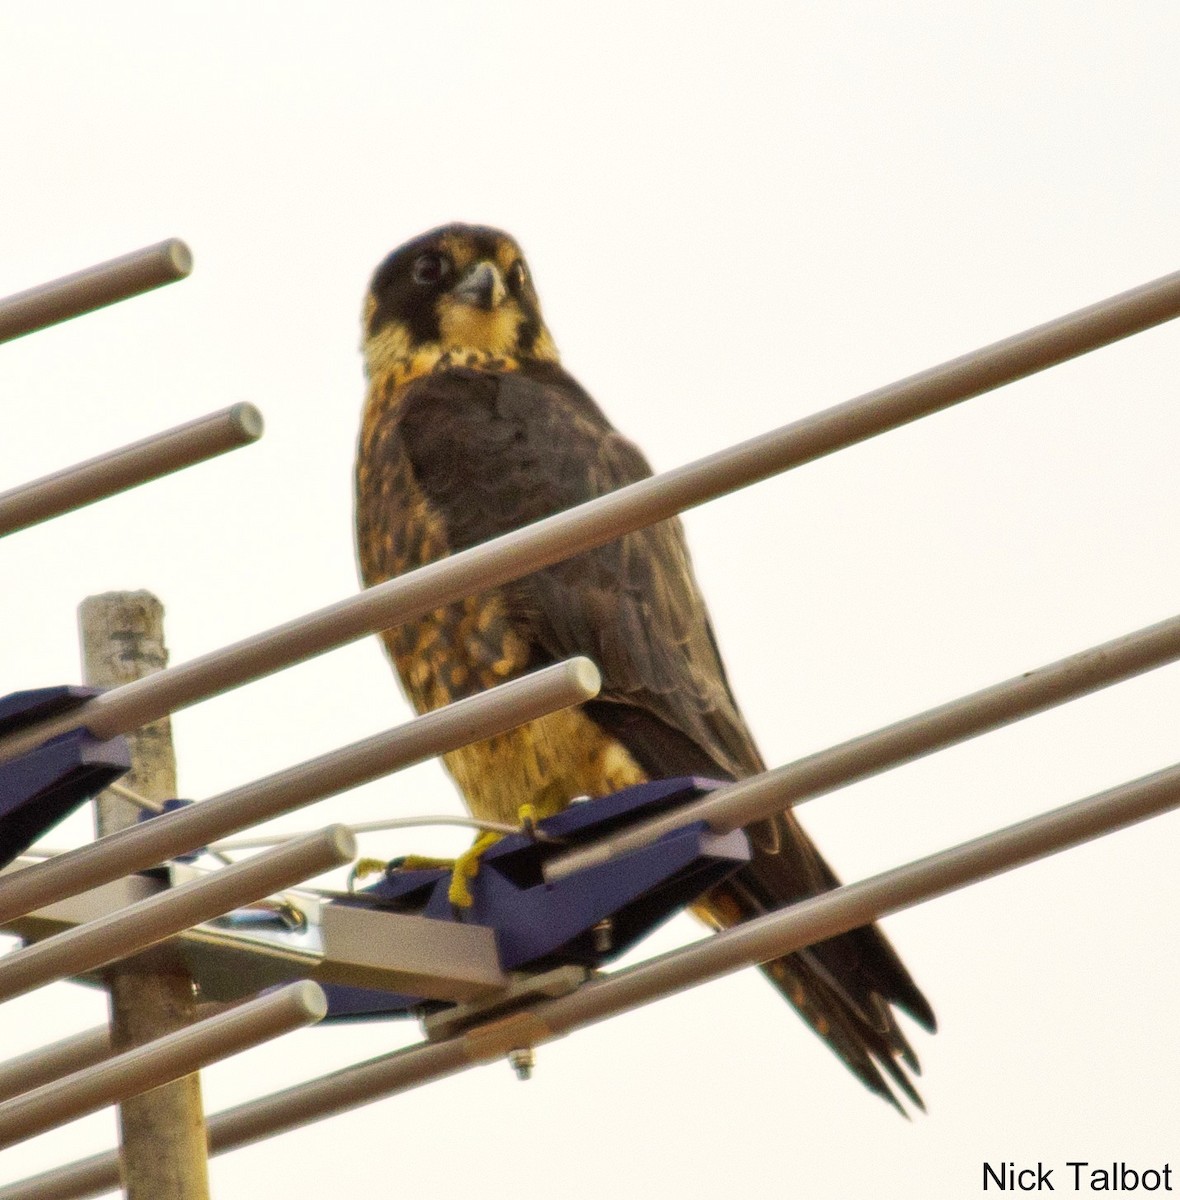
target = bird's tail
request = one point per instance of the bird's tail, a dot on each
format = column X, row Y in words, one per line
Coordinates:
column 845, row 988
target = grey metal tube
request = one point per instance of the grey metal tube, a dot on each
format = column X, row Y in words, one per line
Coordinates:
column 236, row 1127
column 46, row 1063
column 147, row 922
column 95, row 287
column 569, row 533
column 51, row 1062
column 763, row 795
column 161, row 838
column 148, row 1066
column 87, row 1177
column 118, row 470
column 856, row 904
column 757, row 941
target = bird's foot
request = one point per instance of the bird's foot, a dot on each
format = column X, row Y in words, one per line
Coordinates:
column 423, row 862
column 463, row 869
column 363, row 868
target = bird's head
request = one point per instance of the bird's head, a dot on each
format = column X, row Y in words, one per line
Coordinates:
column 460, row 295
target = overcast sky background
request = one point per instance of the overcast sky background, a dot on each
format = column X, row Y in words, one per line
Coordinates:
column 734, row 218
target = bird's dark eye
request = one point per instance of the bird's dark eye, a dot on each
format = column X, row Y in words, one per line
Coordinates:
column 517, row 275
column 430, row 268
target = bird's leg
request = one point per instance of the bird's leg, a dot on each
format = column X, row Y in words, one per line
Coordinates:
column 466, row 866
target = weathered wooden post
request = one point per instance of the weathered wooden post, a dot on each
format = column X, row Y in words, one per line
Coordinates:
column 162, row 1131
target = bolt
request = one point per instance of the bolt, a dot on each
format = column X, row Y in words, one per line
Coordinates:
column 603, row 935
column 521, row 1061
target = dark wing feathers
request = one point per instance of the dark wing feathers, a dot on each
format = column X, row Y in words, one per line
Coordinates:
column 495, row 452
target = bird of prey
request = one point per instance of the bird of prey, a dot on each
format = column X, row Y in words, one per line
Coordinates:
column 471, row 429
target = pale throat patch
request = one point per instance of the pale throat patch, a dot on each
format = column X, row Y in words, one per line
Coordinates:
column 464, row 327
column 470, row 337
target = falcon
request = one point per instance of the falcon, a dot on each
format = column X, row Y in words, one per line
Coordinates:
column 472, row 428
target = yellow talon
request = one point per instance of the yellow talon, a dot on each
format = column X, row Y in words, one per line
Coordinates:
column 466, row 867
column 363, row 868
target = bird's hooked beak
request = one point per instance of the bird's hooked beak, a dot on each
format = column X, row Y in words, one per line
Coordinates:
column 481, row 287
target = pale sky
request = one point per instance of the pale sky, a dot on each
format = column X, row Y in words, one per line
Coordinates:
column 735, row 216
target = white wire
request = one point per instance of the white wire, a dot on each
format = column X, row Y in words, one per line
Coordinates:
column 256, row 843
column 218, row 849
column 125, row 793
column 155, row 807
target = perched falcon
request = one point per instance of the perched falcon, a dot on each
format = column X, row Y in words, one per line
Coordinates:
column 471, row 429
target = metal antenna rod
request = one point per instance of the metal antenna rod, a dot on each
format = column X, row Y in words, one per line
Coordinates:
column 167, row 1058
column 47, row 1063
column 154, row 841
column 566, row 534
column 118, row 470
column 759, row 940
column 763, row 795
column 95, row 287
column 143, row 924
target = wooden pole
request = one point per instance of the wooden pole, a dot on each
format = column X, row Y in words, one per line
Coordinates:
column 162, row 1132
